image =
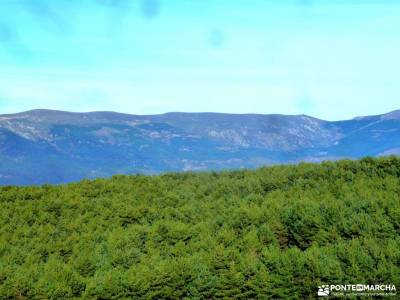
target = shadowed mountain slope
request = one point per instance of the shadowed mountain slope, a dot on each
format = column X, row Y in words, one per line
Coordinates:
column 45, row 146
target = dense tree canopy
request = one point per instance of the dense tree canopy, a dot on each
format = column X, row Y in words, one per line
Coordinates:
column 276, row 232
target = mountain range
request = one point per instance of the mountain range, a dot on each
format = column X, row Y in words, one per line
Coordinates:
column 47, row 146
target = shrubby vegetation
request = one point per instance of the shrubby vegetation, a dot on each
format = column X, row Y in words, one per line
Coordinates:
column 272, row 233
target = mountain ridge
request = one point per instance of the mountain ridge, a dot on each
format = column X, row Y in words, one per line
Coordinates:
column 51, row 146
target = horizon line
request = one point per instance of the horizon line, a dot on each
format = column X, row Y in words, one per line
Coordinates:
column 185, row 112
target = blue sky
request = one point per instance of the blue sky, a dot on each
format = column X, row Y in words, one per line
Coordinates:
column 333, row 59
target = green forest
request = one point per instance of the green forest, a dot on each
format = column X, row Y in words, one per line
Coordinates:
column 272, row 233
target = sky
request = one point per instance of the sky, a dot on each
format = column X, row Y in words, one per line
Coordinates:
column 331, row 59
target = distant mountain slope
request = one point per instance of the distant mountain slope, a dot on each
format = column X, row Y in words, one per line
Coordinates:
column 45, row 146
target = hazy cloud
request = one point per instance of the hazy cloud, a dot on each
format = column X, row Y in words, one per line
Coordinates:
column 6, row 33
column 306, row 104
column 217, row 38
column 10, row 40
column 150, row 8
column 47, row 16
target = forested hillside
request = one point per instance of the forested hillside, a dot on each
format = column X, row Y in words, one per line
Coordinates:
column 272, row 233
